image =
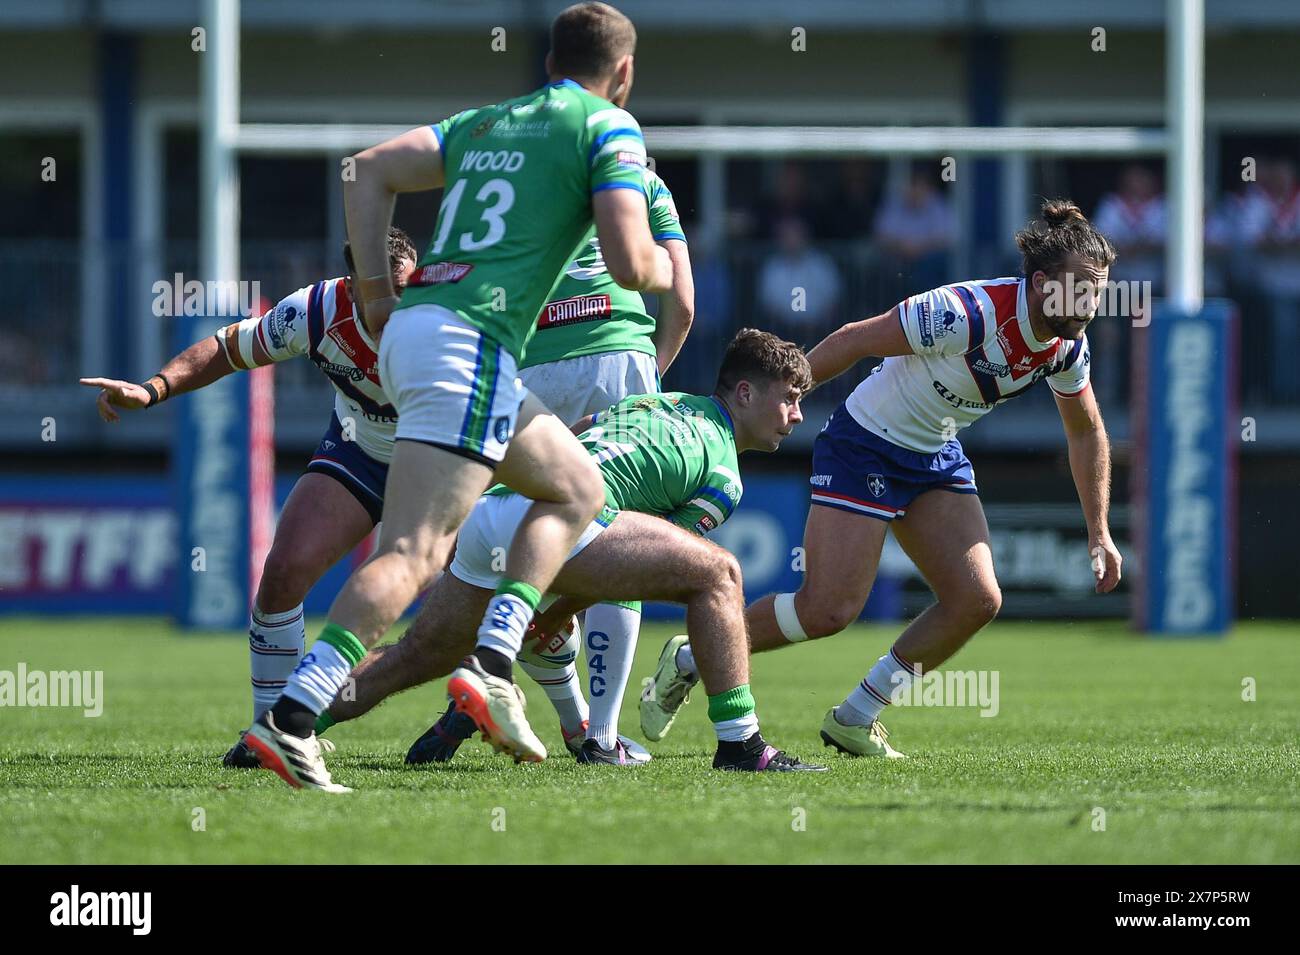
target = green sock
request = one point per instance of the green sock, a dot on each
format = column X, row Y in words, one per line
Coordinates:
column 323, row 722
column 344, row 641
column 524, row 591
column 732, row 704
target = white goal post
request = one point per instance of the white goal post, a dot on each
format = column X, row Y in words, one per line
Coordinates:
column 223, row 137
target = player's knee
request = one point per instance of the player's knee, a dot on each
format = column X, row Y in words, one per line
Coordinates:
column 979, row 606
column 725, row 569
column 828, row 617
column 589, row 490
column 417, row 557
column 284, row 583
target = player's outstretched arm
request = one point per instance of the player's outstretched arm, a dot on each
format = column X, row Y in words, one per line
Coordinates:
column 676, row 307
column 411, row 162
column 878, row 337
column 199, row 365
column 631, row 255
column 1090, row 465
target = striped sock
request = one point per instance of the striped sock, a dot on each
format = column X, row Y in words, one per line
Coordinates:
column 321, row 674
column 563, row 688
column 732, row 713
column 892, row 674
column 276, row 642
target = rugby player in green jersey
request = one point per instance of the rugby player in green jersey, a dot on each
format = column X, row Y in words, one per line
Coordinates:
column 595, row 344
column 524, row 181
column 668, row 463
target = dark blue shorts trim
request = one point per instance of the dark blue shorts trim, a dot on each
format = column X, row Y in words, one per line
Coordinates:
column 357, row 471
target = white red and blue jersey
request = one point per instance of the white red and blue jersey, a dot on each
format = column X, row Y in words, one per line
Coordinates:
column 319, row 322
column 973, row 348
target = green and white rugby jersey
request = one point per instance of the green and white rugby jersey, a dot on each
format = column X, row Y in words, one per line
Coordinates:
column 589, row 313
column 673, row 455
column 517, row 203
column 670, row 454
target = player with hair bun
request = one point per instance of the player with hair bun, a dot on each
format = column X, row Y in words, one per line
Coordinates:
column 889, row 456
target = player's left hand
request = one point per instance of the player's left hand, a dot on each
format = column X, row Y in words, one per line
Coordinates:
column 119, row 394
column 1106, row 561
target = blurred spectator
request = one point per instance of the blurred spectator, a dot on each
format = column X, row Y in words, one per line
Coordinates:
column 915, row 230
column 1268, row 225
column 794, row 196
column 798, row 286
column 1134, row 219
column 855, row 198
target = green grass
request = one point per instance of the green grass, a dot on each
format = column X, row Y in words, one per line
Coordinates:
column 1154, row 733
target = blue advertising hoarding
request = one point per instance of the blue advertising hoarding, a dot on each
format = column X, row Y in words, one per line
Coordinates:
column 1185, row 475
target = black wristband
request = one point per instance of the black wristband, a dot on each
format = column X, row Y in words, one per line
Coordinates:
column 153, row 393
column 168, row 384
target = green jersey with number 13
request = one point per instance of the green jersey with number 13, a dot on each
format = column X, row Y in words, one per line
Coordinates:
column 517, row 203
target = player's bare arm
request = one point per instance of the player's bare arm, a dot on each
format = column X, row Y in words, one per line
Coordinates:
column 411, row 162
column 878, row 337
column 633, row 258
column 676, row 307
column 196, row 367
column 1090, row 465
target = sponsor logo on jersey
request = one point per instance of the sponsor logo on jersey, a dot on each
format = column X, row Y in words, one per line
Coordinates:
column 342, row 371
column 281, row 322
column 327, row 444
column 570, row 311
column 946, row 325
column 439, row 272
column 820, row 480
column 343, row 343
column 629, row 159
column 705, row 524
column 923, row 323
column 876, row 484
column 1025, row 363
column 481, row 128
column 991, row 367
column 1005, row 341
column 731, row 490
column 957, row 401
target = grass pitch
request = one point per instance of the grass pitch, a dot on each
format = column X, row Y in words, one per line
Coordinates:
column 1155, row 735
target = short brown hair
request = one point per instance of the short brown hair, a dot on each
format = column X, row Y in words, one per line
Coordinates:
column 588, row 40
column 400, row 247
column 757, row 355
column 1062, row 231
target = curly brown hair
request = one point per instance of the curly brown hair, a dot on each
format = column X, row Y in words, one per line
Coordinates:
column 1062, row 230
column 400, row 247
column 758, row 355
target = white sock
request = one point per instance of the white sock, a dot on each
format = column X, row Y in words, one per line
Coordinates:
column 737, row 730
column 891, row 674
column 563, row 688
column 504, row 625
column 686, row 661
column 610, row 643
column 319, row 677
column 276, row 642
